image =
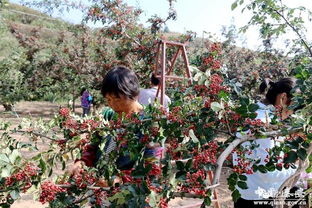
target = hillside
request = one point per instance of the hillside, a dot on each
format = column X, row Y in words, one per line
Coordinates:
column 26, row 20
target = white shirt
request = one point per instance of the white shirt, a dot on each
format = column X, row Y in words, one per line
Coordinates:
column 261, row 185
column 147, row 96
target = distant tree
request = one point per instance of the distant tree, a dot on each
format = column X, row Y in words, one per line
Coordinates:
column 11, row 79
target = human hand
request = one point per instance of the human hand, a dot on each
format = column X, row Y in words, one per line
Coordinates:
column 76, row 168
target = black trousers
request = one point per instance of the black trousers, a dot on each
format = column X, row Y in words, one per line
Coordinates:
column 85, row 111
column 242, row 203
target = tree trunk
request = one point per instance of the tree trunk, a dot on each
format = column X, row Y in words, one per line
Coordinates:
column 74, row 101
column 8, row 106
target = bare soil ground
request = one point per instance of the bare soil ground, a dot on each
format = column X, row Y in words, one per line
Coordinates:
column 47, row 110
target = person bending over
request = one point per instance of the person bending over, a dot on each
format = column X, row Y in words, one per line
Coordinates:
column 120, row 87
column 277, row 94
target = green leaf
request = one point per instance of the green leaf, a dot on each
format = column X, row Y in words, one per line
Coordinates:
column 253, row 107
column 270, row 167
column 234, row 176
column 188, row 165
column 223, row 95
column 207, row 201
column 152, row 199
column 180, row 165
column 15, row 194
column 305, row 145
column 302, row 153
column 241, row 110
column 216, row 107
column 255, row 168
column 293, row 144
column 63, row 165
column 236, row 195
column 5, row 172
column 242, row 177
column 232, row 182
column 291, row 157
column 14, row 155
column 120, row 197
column 252, row 115
column 242, row 185
column 234, row 5
column 244, row 101
column 262, row 169
column 4, row 159
column 42, row 165
column 181, row 174
column 193, row 136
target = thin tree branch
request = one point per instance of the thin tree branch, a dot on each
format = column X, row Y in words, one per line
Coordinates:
column 36, row 134
column 228, row 126
column 292, row 179
column 296, row 31
column 88, row 187
column 83, row 198
column 191, row 195
column 238, row 141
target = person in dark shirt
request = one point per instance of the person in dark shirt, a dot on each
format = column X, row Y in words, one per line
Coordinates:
column 86, row 100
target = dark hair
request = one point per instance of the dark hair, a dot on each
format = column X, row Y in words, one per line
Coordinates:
column 155, row 80
column 264, row 85
column 284, row 85
column 121, row 81
column 82, row 90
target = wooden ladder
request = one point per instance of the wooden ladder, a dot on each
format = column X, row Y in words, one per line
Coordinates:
column 167, row 73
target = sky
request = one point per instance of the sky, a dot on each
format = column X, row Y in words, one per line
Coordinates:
column 199, row 16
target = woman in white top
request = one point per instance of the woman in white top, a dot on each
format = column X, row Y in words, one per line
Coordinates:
column 147, row 96
column 262, row 185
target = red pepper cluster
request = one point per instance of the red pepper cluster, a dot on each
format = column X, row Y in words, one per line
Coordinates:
column 156, row 170
column 243, row 166
column 215, row 85
column 172, row 145
column 71, row 123
column 211, row 60
column 64, row 112
column 207, row 155
column 207, row 60
column 216, row 47
column 201, row 89
column 84, row 179
column 89, row 125
column 254, row 122
column 23, row 176
column 163, row 203
column 174, row 115
column 49, row 191
column 194, row 183
column 100, row 195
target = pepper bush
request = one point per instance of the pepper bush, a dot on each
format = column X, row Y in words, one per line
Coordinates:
column 199, row 114
column 202, row 112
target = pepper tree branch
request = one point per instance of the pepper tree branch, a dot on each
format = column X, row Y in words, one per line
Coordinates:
column 36, row 134
column 175, row 194
column 303, row 164
column 238, row 141
column 295, row 30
